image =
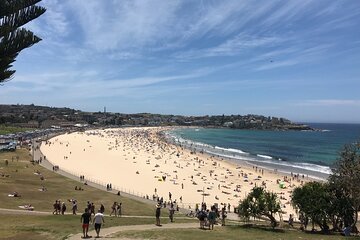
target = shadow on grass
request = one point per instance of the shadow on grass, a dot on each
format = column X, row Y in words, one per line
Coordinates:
column 331, row 233
column 265, row 228
column 259, row 227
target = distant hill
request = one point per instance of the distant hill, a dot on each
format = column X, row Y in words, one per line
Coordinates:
column 32, row 116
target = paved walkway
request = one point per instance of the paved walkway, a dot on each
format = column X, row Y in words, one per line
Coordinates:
column 107, row 232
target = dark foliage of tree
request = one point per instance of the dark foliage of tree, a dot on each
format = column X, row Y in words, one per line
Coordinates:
column 14, row 38
column 260, row 203
column 313, row 202
column 341, row 211
column 346, row 180
column 337, row 201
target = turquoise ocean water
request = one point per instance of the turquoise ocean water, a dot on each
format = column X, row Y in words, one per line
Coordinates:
column 305, row 152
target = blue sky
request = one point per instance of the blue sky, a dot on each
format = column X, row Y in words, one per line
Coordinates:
column 294, row 59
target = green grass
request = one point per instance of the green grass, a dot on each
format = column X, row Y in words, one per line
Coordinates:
column 53, row 226
column 229, row 232
column 23, row 180
column 7, row 129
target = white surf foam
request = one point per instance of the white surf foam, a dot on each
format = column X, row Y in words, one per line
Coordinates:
column 264, row 156
column 244, row 156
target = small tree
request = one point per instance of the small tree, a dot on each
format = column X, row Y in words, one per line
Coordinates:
column 14, row 14
column 313, row 201
column 260, row 203
column 341, row 211
column 346, row 180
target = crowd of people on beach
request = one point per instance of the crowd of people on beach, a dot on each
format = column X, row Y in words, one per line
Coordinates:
column 162, row 152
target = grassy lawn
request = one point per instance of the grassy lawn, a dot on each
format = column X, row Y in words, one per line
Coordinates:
column 53, row 226
column 229, row 232
column 7, row 130
column 23, row 180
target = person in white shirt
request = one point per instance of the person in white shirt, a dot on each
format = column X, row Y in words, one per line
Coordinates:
column 98, row 220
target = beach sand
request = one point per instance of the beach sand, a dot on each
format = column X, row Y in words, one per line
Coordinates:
column 136, row 160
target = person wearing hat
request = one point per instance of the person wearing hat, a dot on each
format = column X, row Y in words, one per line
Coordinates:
column 157, row 214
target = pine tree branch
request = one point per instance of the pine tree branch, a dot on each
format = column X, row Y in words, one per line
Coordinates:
column 6, row 75
column 8, row 7
column 17, row 41
column 11, row 22
column 14, row 14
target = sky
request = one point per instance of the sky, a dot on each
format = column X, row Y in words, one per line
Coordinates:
column 294, row 59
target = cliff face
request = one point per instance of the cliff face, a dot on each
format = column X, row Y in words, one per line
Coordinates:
column 32, row 116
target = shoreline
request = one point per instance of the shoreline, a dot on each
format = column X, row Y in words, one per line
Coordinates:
column 137, row 158
column 241, row 157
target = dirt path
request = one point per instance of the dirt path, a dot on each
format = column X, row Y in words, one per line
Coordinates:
column 22, row 212
column 107, row 232
column 27, row 212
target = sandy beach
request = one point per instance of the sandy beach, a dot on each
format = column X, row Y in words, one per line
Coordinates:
column 138, row 161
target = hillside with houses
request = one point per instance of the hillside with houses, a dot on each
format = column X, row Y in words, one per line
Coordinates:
column 32, row 116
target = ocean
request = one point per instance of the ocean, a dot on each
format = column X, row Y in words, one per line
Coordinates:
column 305, row 152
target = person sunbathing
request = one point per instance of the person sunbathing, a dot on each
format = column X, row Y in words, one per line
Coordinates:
column 27, row 207
column 14, row 194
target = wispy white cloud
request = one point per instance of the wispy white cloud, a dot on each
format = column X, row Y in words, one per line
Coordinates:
column 230, row 47
column 276, row 64
column 54, row 24
column 125, row 55
column 212, row 17
column 291, row 56
column 329, row 9
column 124, row 24
column 133, row 30
column 91, row 83
column 286, row 12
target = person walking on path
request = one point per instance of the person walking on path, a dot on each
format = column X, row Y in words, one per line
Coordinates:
column 119, row 209
column 212, row 218
column 114, row 209
column 63, row 208
column 102, row 208
column 291, row 220
column 74, row 206
column 98, row 220
column 85, row 220
column 56, row 207
column 171, row 212
column 157, row 214
column 223, row 216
